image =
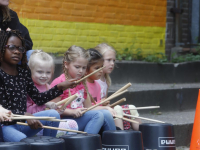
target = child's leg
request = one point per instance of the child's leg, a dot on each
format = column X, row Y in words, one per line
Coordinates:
column 47, row 132
column 135, row 113
column 119, row 122
column 91, row 122
column 12, row 134
column 109, row 123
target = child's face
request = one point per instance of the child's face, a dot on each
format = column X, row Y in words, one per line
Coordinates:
column 109, row 61
column 42, row 72
column 4, row 2
column 77, row 68
column 13, row 57
column 97, row 75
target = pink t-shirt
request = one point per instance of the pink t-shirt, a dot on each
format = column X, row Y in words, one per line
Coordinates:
column 31, row 106
column 95, row 91
column 79, row 89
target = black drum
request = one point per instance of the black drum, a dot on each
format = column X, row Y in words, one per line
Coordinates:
column 82, row 141
column 14, row 146
column 122, row 139
column 158, row 136
column 1, row 134
column 45, row 143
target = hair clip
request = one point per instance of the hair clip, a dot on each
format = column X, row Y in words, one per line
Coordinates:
column 8, row 29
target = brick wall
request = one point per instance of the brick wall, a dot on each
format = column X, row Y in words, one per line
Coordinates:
column 56, row 25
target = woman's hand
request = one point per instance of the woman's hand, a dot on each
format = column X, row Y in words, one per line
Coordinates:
column 34, row 124
column 51, row 105
column 77, row 112
column 67, row 84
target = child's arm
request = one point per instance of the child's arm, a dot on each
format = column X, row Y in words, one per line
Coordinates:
column 74, row 112
column 32, row 107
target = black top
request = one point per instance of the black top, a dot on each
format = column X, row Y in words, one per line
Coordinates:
column 14, row 24
column 14, row 90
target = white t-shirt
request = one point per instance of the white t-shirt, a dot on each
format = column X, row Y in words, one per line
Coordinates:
column 104, row 88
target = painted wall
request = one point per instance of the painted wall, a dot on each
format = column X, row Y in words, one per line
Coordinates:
column 56, row 25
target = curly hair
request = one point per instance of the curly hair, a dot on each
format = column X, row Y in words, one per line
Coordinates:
column 4, row 36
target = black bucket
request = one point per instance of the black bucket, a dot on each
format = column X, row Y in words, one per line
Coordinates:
column 1, row 134
column 14, row 146
column 45, row 143
column 82, row 141
column 158, row 136
column 122, row 139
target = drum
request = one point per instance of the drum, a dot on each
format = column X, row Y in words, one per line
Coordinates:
column 45, row 143
column 14, row 146
column 158, row 136
column 82, row 141
column 122, row 139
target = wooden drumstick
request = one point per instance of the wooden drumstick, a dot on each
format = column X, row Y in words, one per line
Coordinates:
column 122, row 89
column 126, row 119
column 30, row 117
column 118, row 102
column 90, row 74
column 138, row 108
column 153, row 120
column 65, row 100
column 69, row 101
column 54, row 128
column 107, row 99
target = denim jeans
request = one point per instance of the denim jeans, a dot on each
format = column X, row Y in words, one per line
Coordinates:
column 91, row 121
column 109, row 123
column 14, row 133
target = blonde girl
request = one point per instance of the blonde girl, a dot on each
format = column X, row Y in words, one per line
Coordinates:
column 109, row 55
column 74, row 67
column 42, row 70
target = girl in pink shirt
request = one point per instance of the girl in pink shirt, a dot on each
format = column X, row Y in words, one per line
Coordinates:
column 42, row 69
column 74, row 67
column 109, row 56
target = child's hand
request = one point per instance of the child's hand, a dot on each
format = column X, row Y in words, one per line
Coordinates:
column 34, row 124
column 107, row 103
column 51, row 105
column 67, row 84
column 78, row 112
column 5, row 116
column 112, row 111
column 60, row 110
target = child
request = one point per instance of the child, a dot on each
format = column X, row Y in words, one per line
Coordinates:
column 42, row 69
column 16, row 83
column 74, row 66
column 109, row 55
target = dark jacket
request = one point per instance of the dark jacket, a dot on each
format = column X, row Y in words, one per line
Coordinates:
column 14, row 24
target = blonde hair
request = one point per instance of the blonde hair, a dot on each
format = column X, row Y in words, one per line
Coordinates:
column 71, row 55
column 41, row 55
column 6, row 13
column 103, row 48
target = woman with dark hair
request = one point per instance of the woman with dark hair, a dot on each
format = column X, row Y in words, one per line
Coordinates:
column 9, row 19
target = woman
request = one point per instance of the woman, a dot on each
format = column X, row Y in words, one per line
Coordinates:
column 9, row 19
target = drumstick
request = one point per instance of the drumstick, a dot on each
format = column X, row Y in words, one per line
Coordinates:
column 126, row 119
column 54, row 128
column 153, row 120
column 138, row 108
column 89, row 74
column 51, row 119
column 30, row 117
column 69, row 101
column 65, row 100
column 107, row 99
column 118, row 102
column 122, row 89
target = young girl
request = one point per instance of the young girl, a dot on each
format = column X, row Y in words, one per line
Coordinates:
column 16, row 83
column 74, row 67
column 109, row 55
column 42, row 69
